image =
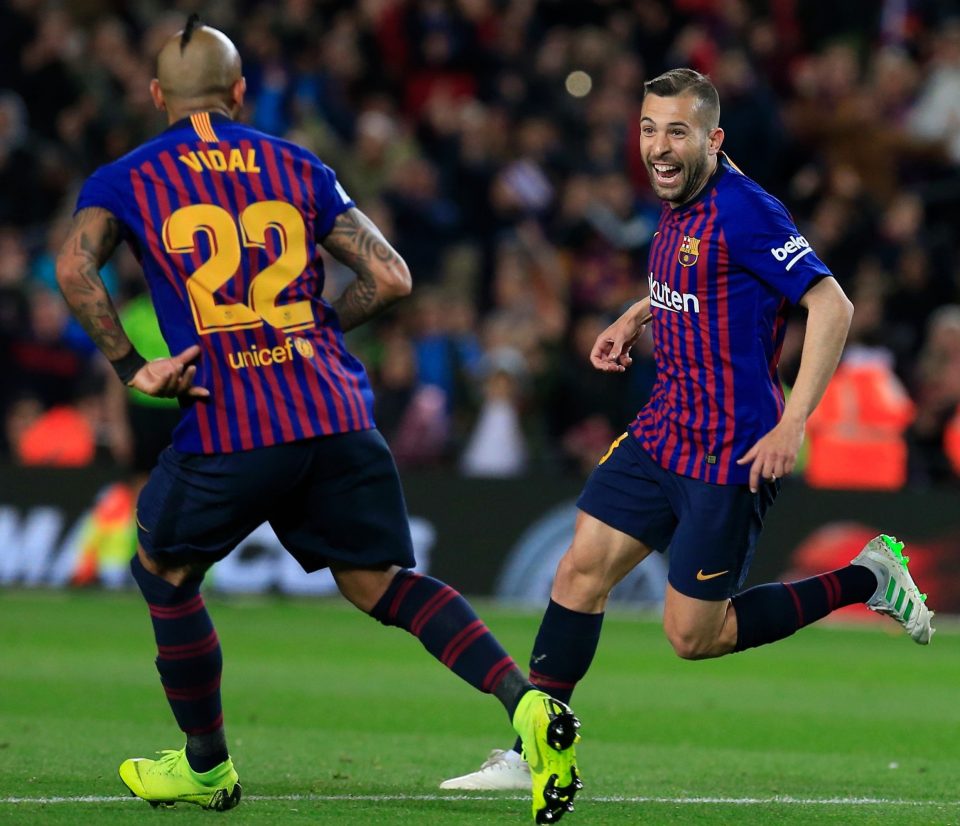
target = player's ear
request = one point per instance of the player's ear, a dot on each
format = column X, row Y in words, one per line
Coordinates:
column 237, row 92
column 714, row 141
column 157, row 94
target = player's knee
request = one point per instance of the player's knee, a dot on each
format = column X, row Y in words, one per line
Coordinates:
column 690, row 642
column 363, row 586
column 689, row 646
column 178, row 576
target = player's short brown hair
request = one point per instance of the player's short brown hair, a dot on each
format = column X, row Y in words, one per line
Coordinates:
column 688, row 82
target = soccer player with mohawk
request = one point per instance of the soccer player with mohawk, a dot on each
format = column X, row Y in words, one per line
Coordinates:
column 701, row 464
column 277, row 418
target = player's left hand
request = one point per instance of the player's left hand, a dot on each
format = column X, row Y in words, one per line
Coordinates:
column 775, row 455
column 611, row 350
column 170, row 377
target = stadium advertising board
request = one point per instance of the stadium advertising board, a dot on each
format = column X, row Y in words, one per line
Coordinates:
column 486, row 537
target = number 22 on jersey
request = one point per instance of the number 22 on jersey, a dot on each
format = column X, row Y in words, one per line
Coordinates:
column 226, row 244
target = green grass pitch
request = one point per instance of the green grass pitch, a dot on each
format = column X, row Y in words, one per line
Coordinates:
column 333, row 719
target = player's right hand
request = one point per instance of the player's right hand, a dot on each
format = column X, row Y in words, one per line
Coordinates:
column 610, row 355
column 611, row 350
column 171, row 377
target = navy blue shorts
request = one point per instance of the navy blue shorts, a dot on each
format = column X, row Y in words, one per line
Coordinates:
column 329, row 498
column 711, row 531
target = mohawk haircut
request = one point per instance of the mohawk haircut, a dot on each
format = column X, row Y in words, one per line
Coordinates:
column 193, row 21
column 688, row 82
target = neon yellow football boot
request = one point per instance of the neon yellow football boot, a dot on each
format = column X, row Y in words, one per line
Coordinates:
column 548, row 729
column 170, row 780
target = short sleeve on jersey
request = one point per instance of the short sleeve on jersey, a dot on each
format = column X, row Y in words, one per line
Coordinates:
column 765, row 241
column 98, row 192
column 332, row 199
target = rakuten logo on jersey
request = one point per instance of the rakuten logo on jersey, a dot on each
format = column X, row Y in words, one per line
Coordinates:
column 662, row 296
column 794, row 249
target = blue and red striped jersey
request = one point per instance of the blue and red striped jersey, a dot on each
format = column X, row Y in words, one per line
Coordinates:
column 225, row 221
column 723, row 270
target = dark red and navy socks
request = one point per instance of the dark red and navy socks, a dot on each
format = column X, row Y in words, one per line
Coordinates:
column 190, row 663
column 563, row 651
column 768, row 613
column 448, row 628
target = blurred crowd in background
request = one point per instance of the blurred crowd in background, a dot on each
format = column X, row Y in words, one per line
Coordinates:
column 495, row 142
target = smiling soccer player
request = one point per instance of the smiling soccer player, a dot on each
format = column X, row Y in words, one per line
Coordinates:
column 701, row 464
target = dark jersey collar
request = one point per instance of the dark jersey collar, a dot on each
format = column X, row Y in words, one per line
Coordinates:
column 215, row 117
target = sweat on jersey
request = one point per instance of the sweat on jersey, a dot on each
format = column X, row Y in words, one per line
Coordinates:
column 723, row 269
column 225, row 221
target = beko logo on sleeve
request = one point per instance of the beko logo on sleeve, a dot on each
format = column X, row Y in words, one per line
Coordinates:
column 794, row 249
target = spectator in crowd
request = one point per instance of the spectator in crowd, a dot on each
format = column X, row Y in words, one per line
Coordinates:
column 21, row 412
column 48, row 360
column 20, row 203
column 856, row 434
column 68, row 434
column 936, row 111
column 497, row 445
column 937, row 390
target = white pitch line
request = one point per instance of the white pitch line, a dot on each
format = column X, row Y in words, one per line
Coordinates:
column 778, row 800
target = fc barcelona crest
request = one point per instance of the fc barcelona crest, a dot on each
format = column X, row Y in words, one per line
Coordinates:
column 689, row 251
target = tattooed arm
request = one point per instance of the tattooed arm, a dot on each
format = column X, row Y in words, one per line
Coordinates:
column 92, row 239
column 382, row 276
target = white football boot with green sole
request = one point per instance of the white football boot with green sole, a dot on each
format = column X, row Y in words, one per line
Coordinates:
column 897, row 595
